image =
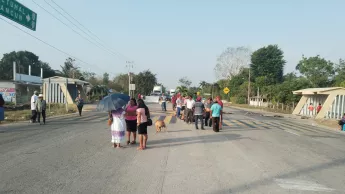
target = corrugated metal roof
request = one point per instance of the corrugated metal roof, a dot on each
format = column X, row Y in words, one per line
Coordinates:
column 316, row 90
column 59, row 79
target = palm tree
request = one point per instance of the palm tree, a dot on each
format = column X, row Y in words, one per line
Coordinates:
column 182, row 89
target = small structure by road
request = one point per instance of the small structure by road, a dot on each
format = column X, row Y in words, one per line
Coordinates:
column 331, row 99
column 59, row 89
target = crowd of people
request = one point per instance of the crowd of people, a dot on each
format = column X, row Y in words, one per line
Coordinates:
column 194, row 109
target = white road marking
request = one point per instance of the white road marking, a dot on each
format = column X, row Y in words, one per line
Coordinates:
column 292, row 132
column 296, row 184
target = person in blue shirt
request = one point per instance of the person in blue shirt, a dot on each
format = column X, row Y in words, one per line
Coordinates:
column 216, row 111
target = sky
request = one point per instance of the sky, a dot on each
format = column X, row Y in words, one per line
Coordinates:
column 179, row 38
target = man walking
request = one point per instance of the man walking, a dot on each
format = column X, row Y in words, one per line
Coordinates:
column 40, row 105
column 189, row 105
column 199, row 110
column 2, row 110
column 178, row 106
column 34, row 98
column 216, row 112
column 164, row 103
column 173, row 102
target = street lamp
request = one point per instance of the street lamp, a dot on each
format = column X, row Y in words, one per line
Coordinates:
column 129, row 66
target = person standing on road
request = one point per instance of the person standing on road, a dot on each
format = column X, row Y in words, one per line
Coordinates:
column 40, row 105
column 216, row 111
column 189, row 105
column 164, row 103
column 208, row 105
column 2, row 110
column 80, row 103
column 143, row 113
column 34, row 98
column 118, row 126
column 178, row 106
column 199, row 110
column 173, row 102
column 131, row 121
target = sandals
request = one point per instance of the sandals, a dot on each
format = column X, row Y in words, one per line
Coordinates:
column 133, row 142
column 128, row 142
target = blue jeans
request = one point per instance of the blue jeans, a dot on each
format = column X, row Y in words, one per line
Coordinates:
column 178, row 112
column 164, row 106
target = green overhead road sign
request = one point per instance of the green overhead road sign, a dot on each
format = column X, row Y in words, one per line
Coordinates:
column 17, row 12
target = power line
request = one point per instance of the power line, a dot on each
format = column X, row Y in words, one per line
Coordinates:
column 68, row 26
column 61, row 51
column 47, row 43
column 116, row 52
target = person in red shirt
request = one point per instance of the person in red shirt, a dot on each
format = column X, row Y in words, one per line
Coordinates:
column 173, row 102
column 318, row 108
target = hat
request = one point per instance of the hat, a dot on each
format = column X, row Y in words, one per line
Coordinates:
column 35, row 92
column 40, row 96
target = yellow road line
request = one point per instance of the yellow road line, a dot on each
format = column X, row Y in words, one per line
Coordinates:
column 167, row 119
column 228, row 123
column 238, row 123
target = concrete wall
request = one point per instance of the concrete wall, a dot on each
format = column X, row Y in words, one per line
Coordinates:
column 315, row 100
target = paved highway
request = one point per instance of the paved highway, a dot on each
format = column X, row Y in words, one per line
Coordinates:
column 252, row 154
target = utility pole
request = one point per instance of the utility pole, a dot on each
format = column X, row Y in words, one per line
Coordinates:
column 129, row 66
column 249, row 87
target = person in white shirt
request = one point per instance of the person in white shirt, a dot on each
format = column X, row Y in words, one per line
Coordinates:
column 164, row 103
column 34, row 98
column 189, row 105
column 178, row 106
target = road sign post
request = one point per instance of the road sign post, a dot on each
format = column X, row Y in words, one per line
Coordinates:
column 17, row 12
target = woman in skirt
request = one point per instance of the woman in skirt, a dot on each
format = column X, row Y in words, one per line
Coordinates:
column 131, row 121
column 118, row 126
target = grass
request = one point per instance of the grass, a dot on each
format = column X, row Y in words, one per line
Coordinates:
column 25, row 115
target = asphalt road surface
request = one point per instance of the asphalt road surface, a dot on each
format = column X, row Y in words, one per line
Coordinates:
column 252, row 154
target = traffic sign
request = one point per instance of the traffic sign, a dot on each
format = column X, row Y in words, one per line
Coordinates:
column 226, row 90
column 17, row 12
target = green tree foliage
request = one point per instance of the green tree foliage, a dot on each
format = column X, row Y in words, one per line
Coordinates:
column 145, row 81
column 317, row 70
column 106, row 79
column 268, row 62
column 339, row 79
column 184, row 81
column 70, row 70
column 23, row 59
column 183, row 90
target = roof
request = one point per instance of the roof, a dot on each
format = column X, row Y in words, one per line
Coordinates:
column 58, row 79
column 312, row 91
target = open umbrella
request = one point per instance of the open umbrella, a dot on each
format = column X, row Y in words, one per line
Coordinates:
column 113, row 102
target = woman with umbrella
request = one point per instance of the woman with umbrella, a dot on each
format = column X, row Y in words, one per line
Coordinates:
column 143, row 114
column 114, row 104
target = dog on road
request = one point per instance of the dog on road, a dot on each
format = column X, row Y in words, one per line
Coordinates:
column 159, row 125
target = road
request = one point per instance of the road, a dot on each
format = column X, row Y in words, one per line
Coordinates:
column 252, row 154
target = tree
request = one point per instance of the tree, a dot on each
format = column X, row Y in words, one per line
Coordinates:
column 23, row 59
column 145, row 81
column 106, row 79
column 340, row 73
column 70, row 70
column 184, row 81
column 183, row 90
column 317, row 70
column 268, row 62
column 230, row 62
column 122, row 81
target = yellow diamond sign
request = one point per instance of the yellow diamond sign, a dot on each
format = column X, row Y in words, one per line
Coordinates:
column 226, row 90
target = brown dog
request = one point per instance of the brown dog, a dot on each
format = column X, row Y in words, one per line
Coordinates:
column 159, row 125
